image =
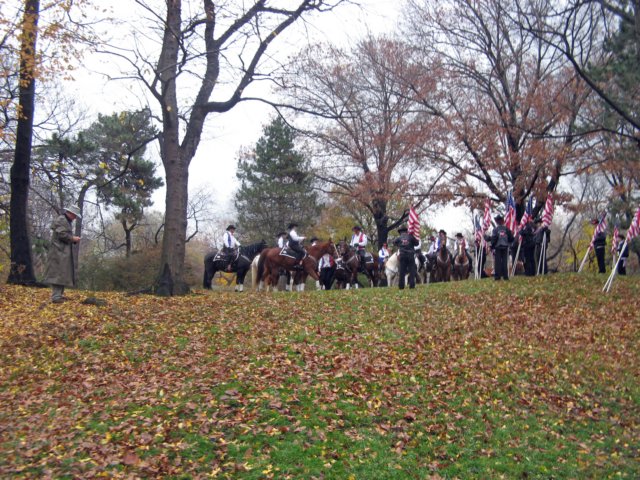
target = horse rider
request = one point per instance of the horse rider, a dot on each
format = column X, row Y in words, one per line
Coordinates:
column 281, row 239
column 383, row 254
column 359, row 242
column 460, row 240
column 501, row 239
column 230, row 245
column 406, row 244
column 295, row 242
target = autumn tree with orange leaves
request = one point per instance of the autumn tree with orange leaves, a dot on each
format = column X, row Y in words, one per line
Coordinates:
column 511, row 109
column 370, row 134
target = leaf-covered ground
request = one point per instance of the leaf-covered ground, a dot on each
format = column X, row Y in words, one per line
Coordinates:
column 535, row 378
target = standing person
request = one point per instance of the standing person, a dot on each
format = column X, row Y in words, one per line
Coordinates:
column 623, row 254
column 281, row 239
column 599, row 245
column 501, row 239
column 295, row 242
column 406, row 255
column 327, row 267
column 542, row 237
column 383, row 255
column 359, row 241
column 61, row 269
column 527, row 234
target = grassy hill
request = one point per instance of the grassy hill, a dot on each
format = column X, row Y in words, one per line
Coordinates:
column 534, row 378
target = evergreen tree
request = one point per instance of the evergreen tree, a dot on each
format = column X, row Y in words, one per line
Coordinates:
column 276, row 186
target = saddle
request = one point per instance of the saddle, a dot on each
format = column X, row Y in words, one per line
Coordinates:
column 227, row 258
column 288, row 252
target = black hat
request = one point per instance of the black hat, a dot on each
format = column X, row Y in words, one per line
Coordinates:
column 458, row 235
column 621, row 236
column 313, row 239
column 442, row 231
column 356, row 227
column 292, row 225
column 281, row 234
column 537, row 220
column 595, row 221
column 499, row 219
column 402, row 229
column 231, row 227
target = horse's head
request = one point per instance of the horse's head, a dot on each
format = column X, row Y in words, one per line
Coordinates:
column 262, row 245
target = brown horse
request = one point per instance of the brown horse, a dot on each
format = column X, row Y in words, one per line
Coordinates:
column 461, row 266
column 443, row 264
column 271, row 261
column 350, row 263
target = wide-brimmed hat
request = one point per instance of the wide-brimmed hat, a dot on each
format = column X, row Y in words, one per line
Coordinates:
column 402, row 229
column 458, row 235
column 313, row 239
column 231, row 227
column 442, row 231
column 356, row 227
column 74, row 209
column 292, row 225
column 279, row 234
column 499, row 218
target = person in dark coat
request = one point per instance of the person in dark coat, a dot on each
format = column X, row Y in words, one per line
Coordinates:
column 599, row 245
column 623, row 254
column 527, row 234
column 501, row 239
column 406, row 244
column 61, row 268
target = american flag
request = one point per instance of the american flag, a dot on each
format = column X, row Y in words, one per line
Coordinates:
column 615, row 240
column 601, row 227
column 478, row 229
column 414, row 223
column 634, row 228
column 487, row 216
column 528, row 211
column 547, row 214
column 510, row 217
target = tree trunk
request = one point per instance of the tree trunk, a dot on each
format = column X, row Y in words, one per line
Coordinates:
column 21, row 271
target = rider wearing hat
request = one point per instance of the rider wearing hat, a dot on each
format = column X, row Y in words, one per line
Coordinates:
column 229, row 245
column 281, row 239
column 460, row 239
column 295, row 242
column 359, row 242
column 406, row 244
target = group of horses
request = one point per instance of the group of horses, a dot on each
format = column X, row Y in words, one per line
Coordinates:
column 269, row 264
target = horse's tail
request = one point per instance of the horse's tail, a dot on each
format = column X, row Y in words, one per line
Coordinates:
column 254, row 272
column 208, row 266
column 260, row 269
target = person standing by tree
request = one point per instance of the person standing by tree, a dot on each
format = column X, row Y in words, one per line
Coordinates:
column 599, row 245
column 528, row 248
column 501, row 239
column 61, row 268
column 406, row 244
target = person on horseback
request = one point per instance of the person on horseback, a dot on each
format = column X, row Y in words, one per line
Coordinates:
column 459, row 240
column 406, row 244
column 230, row 245
column 383, row 254
column 295, row 242
column 359, row 242
column 281, row 239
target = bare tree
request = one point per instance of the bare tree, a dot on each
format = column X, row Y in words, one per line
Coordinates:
column 371, row 134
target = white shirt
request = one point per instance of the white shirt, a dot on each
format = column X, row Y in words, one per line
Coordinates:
column 360, row 239
column 293, row 235
column 281, row 242
column 325, row 261
column 229, row 241
column 383, row 253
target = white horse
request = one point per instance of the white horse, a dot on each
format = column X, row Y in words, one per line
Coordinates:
column 392, row 271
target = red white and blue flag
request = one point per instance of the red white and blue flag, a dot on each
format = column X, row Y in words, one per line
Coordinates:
column 547, row 214
column 477, row 230
column 414, row 223
column 528, row 213
column 634, row 228
column 601, row 227
column 510, row 217
column 615, row 240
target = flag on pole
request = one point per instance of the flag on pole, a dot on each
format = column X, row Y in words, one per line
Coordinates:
column 547, row 214
column 477, row 230
column 414, row 223
column 615, row 240
column 600, row 227
column 510, row 217
column 634, row 228
column 487, row 216
column 528, row 213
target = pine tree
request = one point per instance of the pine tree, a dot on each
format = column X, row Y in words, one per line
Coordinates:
column 276, row 186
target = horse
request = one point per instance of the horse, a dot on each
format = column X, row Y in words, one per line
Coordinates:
column 443, row 264
column 216, row 262
column 461, row 267
column 392, row 271
column 369, row 267
column 273, row 259
column 347, row 266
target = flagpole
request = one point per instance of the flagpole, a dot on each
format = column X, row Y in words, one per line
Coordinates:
column 609, row 282
column 584, row 259
column 515, row 263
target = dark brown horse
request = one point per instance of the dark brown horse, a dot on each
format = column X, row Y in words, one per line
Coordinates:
column 350, row 263
column 272, row 260
column 443, row 264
